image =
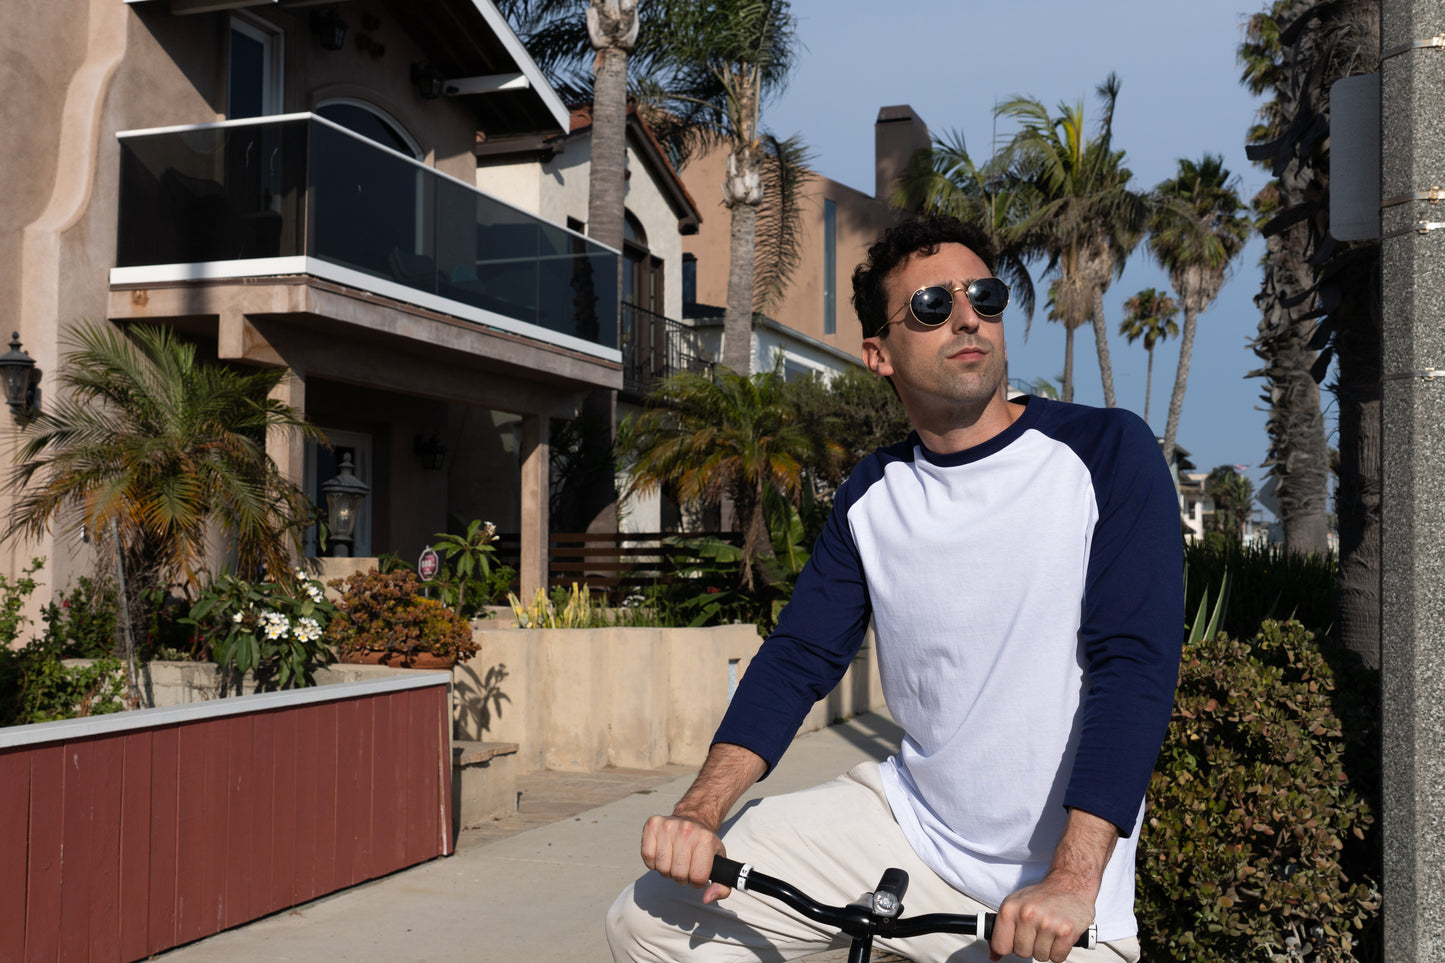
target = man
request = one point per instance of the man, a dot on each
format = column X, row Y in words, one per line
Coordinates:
column 1021, row 564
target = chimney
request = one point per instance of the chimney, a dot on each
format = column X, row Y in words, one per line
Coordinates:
column 897, row 135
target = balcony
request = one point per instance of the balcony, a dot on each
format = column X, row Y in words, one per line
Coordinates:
column 299, row 194
column 654, row 347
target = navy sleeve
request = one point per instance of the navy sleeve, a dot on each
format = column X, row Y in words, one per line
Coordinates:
column 1132, row 623
column 817, row 636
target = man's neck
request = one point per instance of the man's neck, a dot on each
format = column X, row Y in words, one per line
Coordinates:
column 962, row 430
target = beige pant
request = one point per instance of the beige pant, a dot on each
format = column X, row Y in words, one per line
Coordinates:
column 833, row 842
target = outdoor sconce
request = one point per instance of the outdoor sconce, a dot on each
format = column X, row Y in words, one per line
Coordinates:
column 329, row 29
column 428, row 81
column 21, row 379
column 430, row 450
column 344, row 495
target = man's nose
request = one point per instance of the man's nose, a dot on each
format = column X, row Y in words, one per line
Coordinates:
column 963, row 318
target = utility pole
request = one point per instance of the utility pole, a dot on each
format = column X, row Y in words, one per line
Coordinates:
column 1412, row 124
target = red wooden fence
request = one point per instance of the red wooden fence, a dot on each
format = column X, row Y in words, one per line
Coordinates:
column 125, row 835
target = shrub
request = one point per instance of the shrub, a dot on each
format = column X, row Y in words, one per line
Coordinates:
column 385, row 612
column 35, row 685
column 1256, row 841
column 1267, row 582
column 272, row 629
column 82, row 621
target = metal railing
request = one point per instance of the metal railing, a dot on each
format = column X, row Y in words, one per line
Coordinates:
column 655, row 346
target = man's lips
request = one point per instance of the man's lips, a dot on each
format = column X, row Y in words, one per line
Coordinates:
column 967, row 352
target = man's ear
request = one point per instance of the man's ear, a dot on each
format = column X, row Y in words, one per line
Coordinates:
column 875, row 356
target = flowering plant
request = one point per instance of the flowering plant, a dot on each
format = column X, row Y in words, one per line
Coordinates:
column 272, row 628
column 385, row 612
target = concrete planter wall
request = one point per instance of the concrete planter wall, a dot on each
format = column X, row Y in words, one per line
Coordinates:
column 585, row 699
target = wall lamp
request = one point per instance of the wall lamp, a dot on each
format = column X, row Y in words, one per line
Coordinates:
column 21, row 379
column 344, row 496
column 428, row 81
column 328, row 28
column 430, row 451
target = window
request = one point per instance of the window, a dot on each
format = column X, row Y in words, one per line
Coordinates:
column 641, row 272
column 689, row 279
column 370, row 123
column 254, row 74
column 830, row 267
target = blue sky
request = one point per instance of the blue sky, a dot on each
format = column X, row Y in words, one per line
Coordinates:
column 952, row 60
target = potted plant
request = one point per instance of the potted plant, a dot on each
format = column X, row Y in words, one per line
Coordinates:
column 383, row 619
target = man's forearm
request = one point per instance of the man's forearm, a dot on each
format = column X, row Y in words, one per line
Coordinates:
column 730, row 770
column 1084, row 851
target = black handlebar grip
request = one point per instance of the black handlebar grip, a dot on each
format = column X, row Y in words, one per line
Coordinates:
column 725, row 871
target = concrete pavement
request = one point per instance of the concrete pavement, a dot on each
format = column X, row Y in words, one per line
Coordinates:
column 525, row 892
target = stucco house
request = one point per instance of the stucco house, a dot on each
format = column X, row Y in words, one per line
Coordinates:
column 310, row 186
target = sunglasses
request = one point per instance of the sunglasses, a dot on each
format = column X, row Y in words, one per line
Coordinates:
column 933, row 305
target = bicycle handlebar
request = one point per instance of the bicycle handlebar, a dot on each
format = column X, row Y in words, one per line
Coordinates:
column 880, row 915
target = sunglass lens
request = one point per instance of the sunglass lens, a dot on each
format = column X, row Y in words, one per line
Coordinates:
column 989, row 296
column 932, row 306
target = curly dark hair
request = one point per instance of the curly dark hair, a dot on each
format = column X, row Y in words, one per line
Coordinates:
column 923, row 234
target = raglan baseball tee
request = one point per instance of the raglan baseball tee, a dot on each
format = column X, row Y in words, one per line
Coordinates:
column 1027, row 601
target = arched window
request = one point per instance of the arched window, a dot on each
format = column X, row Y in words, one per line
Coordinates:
column 642, row 273
column 371, row 123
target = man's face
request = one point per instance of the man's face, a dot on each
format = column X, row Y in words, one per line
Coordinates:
column 957, row 367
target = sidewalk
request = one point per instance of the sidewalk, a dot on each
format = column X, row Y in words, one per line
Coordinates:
column 534, row 886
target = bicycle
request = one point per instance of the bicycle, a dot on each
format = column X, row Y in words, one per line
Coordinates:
column 879, row 913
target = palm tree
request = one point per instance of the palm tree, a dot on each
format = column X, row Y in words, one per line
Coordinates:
column 612, row 29
column 1085, row 219
column 726, row 436
column 710, row 68
column 1151, row 317
column 702, row 73
column 946, row 180
column 1319, row 297
column 1197, row 230
column 147, row 441
column 1233, row 496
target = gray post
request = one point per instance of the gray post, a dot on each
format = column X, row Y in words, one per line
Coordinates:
column 1412, row 99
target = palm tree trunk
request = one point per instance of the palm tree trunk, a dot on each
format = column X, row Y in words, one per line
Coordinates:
column 1181, row 380
column 1148, row 383
column 737, row 349
column 606, row 185
column 1101, row 341
column 1067, row 394
column 1357, row 498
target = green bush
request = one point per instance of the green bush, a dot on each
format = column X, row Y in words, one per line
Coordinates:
column 35, row 685
column 1267, row 582
column 83, row 620
column 273, row 629
column 385, row 612
column 1258, row 837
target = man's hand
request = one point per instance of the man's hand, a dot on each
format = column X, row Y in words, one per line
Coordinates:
column 1043, row 921
column 682, row 849
column 681, row 846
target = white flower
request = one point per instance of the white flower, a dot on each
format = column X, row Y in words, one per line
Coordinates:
column 274, row 625
column 314, row 591
column 236, row 618
column 307, row 630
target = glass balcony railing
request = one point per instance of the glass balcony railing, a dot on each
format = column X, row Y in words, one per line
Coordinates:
column 301, row 186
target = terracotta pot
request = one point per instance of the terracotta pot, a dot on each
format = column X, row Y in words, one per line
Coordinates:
column 398, row 660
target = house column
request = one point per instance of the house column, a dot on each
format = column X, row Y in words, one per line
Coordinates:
column 535, row 456
column 288, row 448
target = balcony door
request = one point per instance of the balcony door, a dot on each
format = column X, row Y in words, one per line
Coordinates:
column 255, row 79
